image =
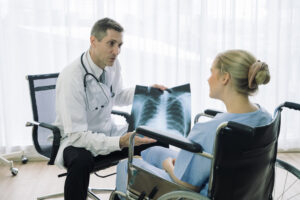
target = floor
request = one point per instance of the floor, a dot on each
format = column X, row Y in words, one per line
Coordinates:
column 37, row 179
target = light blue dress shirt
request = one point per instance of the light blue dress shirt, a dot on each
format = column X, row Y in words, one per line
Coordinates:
column 191, row 168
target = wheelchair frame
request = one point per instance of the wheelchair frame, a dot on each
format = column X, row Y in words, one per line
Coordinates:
column 195, row 148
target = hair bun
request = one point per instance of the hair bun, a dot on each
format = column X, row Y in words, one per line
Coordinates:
column 258, row 74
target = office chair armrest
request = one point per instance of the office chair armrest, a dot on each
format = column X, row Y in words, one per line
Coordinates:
column 207, row 113
column 56, row 138
column 288, row 167
column 126, row 115
column 172, row 139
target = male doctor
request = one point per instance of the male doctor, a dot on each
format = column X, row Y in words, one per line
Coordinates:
column 86, row 91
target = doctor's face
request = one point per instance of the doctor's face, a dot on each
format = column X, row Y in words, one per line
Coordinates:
column 105, row 52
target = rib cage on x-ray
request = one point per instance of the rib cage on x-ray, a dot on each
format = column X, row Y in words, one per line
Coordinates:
column 168, row 110
column 175, row 114
column 149, row 110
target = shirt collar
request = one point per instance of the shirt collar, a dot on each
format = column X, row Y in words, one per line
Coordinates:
column 97, row 71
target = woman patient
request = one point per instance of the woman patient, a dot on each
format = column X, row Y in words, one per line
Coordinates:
column 235, row 75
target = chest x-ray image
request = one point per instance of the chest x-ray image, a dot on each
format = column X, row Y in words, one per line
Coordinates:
column 168, row 110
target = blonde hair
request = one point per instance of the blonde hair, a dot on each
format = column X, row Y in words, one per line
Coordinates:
column 245, row 71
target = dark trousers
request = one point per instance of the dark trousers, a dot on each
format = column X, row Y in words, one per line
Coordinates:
column 80, row 163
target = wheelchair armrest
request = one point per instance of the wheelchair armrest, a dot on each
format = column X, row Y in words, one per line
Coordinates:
column 172, row 139
column 211, row 112
column 126, row 115
column 207, row 113
column 291, row 105
column 287, row 104
column 288, row 167
column 56, row 138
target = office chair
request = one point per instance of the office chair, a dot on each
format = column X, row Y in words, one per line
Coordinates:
column 46, row 137
column 242, row 167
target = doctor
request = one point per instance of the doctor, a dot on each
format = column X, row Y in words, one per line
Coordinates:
column 86, row 91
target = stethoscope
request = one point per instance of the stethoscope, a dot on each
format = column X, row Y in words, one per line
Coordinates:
column 98, row 81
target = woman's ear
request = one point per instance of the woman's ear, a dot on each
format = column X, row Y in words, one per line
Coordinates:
column 225, row 78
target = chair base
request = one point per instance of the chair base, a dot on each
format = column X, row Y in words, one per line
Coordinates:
column 92, row 191
column 51, row 196
column 91, row 194
column 14, row 171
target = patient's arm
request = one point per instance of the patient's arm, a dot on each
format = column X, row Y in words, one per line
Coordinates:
column 168, row 165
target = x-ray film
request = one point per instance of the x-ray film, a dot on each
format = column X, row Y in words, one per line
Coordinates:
column 168, row 110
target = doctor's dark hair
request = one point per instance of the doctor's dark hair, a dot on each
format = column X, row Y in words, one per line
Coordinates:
column 101, row 26
column 245, row 70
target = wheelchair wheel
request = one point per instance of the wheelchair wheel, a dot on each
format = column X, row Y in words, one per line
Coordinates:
column 176, row 195
column 287, row 181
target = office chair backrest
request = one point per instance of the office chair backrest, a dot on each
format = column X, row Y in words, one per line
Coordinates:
column 42, row 93
column 244, row 161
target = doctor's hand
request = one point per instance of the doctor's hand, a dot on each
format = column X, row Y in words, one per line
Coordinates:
column 161, row 87
column 124, row 140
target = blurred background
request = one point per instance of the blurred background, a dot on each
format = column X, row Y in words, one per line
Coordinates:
column 170, row 42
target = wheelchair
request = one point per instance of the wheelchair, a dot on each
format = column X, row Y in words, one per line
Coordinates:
column 243, row 164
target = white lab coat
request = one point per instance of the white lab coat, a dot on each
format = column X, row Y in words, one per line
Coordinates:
column 84, row 118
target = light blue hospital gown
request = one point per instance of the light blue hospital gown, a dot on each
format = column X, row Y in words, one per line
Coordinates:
column 191, row 168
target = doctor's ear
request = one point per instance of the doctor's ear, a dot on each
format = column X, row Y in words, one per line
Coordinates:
column 93, row 40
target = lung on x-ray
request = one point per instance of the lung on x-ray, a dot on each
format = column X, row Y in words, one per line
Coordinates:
column 168, row 110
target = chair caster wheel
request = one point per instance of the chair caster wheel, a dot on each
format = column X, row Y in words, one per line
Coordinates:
column 14, row 171
column 24, row 160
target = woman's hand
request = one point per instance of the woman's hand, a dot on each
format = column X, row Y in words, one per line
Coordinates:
column 168, row 164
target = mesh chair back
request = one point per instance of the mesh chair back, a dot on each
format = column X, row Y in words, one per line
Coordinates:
column 244, row 162
column 42, row 93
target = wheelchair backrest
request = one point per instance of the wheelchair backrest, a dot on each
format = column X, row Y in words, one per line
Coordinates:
column 243, row 167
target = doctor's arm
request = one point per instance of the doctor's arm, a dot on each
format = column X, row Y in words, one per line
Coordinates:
column 168, row 166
